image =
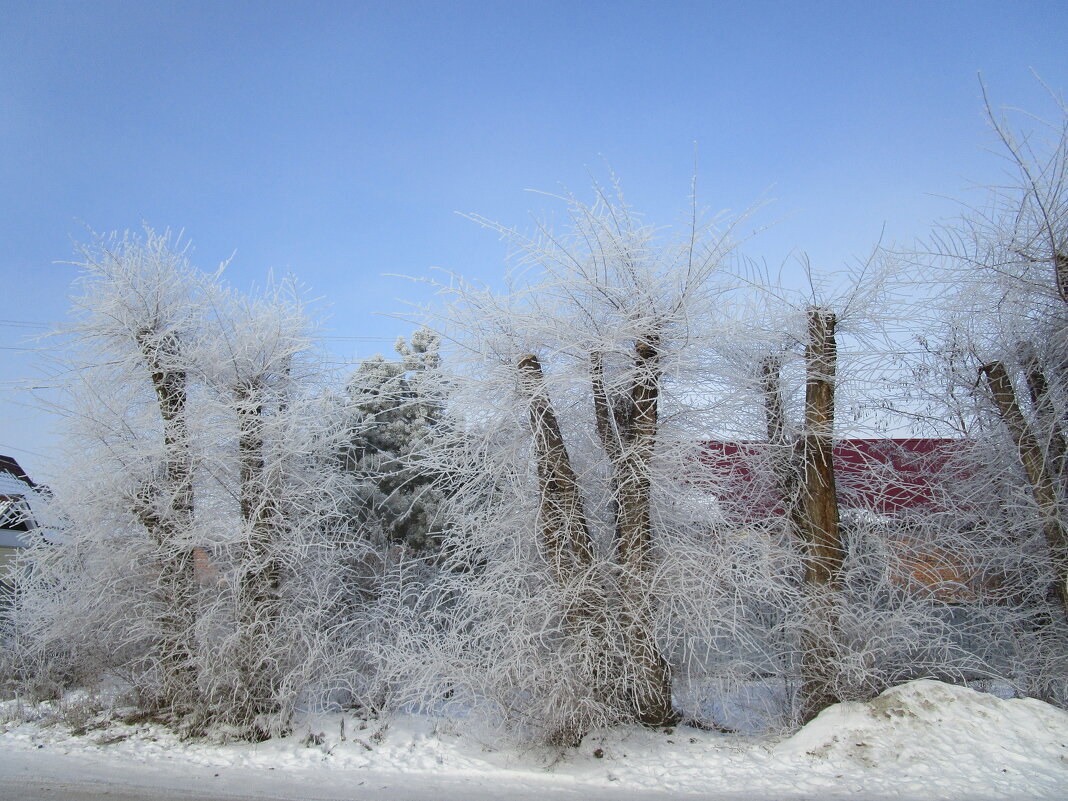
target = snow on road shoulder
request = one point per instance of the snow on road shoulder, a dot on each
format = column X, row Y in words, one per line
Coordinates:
column 938, row 740
column 923, row 740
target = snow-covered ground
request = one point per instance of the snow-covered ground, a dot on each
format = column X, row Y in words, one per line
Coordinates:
column 923, row 740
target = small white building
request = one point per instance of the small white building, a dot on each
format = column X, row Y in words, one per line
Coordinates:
column 20, row 506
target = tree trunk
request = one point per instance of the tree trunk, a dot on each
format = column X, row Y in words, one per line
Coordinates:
column 1049, row 428
column 565, row 540
column 166, row 510
column 628, row 431
column 1060, row 272
column 1039, row 475
column 565, row 532
column 817, row 519
column 261, row 578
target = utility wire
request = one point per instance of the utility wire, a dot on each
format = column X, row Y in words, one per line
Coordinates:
column 22, row 450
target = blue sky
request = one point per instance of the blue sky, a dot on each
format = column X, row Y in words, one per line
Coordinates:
column 337, row 140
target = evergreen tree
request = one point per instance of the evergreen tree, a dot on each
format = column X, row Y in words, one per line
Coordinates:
column 393, row 411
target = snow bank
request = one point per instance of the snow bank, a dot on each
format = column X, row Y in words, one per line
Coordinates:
column 935, row 740
column 923, row 740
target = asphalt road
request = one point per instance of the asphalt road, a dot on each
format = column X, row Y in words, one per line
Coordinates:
column 59, row 790
column 11, row 790
column 44, row 775
column 41, row 775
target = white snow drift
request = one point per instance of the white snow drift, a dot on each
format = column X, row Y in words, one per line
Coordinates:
column 922, row 740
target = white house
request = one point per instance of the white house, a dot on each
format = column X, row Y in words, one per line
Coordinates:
column 21, row 503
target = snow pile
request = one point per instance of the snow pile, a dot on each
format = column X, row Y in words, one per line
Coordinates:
column 936, row 740
column 923, row 740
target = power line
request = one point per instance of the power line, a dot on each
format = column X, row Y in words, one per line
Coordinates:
column 22, row 450
column 360, row 339
column 31, row 324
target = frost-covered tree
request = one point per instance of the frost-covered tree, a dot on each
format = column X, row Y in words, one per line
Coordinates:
column 395, row 409
column 279, row 536
column 573, row 527
column 805, row 479
column 122, row 591
column 786, row 364
column 206, row 535
column 875, row 565
column 996, row 350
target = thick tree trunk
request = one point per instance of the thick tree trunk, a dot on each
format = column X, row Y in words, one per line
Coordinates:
column 565, row 532
column 817, row 518
column 651, row 689
column 565, row 540
column 166, row 510
column 628, row 431
column 260, row 581
column 1039, row 474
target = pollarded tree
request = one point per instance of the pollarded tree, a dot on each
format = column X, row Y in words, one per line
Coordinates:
column 122, row 592
column 1004, row 318
column 881, row 549
column 804, row 473
column 279, row 536
column 206, row 532
column 567, row 416
column 995, row 348
column 249, row 361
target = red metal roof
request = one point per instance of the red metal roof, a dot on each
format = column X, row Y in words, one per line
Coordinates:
column 883, row 476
